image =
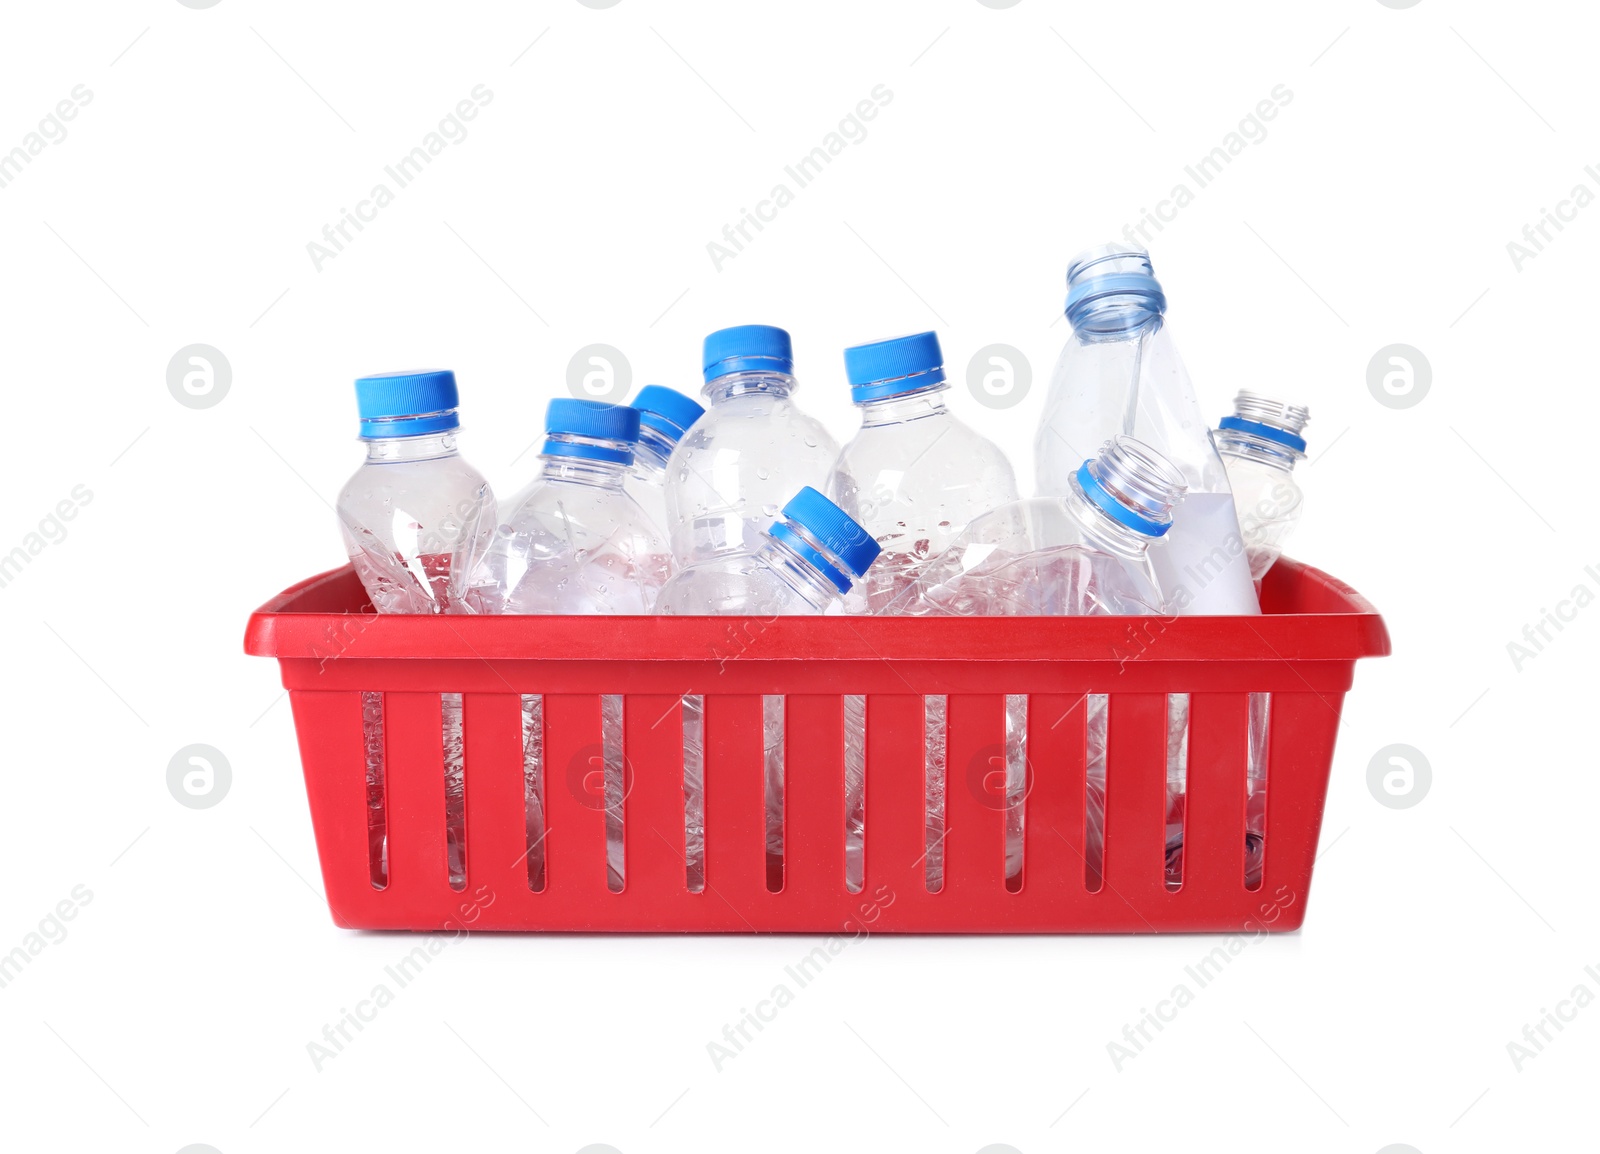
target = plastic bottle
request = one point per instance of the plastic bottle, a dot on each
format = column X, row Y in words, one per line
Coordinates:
column 1260, row 444
column 1120, row 373
column 1085, row 552
column 751, row 451
column 415, row 517
column 573, row 541
column 664, row 416
column 803, row 563
column 915, row 475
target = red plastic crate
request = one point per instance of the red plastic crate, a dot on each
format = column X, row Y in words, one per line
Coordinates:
column 1302, row 650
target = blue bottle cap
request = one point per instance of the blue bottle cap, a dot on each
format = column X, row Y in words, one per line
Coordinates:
column 833, row 529
column 667, row 411
column 895, row 366
column 747, row 349
column 593, row 420
column 407, row 404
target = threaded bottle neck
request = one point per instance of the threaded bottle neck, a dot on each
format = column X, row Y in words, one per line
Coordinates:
column 1264, row 430
column 1112, row 293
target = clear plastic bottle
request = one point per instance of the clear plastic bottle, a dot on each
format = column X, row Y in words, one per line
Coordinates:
column 803, row 563
column 416, row 518
column 915, row 475
column 664, row 416
column 1120, row 373
column 1260, row 445
column 751, row 451
column 574, row 541
column 1085, row 552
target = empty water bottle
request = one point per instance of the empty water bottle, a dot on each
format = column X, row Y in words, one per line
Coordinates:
column 1085, row 552
column 664, row 416
column 1120, row 373
column 416, row 517
column 803, row 563
column 574, row 541
column 1260, row 444
column 751, row 451
column 914, row 476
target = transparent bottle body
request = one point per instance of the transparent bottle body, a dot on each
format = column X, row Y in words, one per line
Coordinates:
column 1268, row 503
column 914, row 477
column 1135, row 383
column 574, row 542
column 1044, row 556
column 416, row 520
column 771, row 582
column 739, row 465
column 646, row 480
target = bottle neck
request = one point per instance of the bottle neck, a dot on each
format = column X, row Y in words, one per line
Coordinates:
column 799, row 573
column 1102, row 530
column 739, row 384
column 903, row 407
column 652, row 450
column 1257, row 450
column 1117, row 319
column 582, row 471
column 427, row 447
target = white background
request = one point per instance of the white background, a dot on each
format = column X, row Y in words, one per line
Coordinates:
column 1377, row 209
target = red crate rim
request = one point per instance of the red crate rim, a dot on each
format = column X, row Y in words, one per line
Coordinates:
column 1326, row 620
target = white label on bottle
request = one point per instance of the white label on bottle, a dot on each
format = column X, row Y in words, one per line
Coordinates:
column 1201, row 563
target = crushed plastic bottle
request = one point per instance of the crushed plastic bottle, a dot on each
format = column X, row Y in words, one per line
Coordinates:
column 1120, row 373
column 573, row 541
column 915, row 475
column 416, row 517
column 803, row 563
column 752, row 450
column 1261, row 443
column 1085, row 552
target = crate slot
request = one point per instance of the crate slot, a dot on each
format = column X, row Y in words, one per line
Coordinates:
column 855, row 790
column 694, row 792
column 772, row 766
column 455, row 788
column 531, row 714
column 377, row 804
column 935, row 712
column 1255, row 823
column 1177, row 787
column 614, row 789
